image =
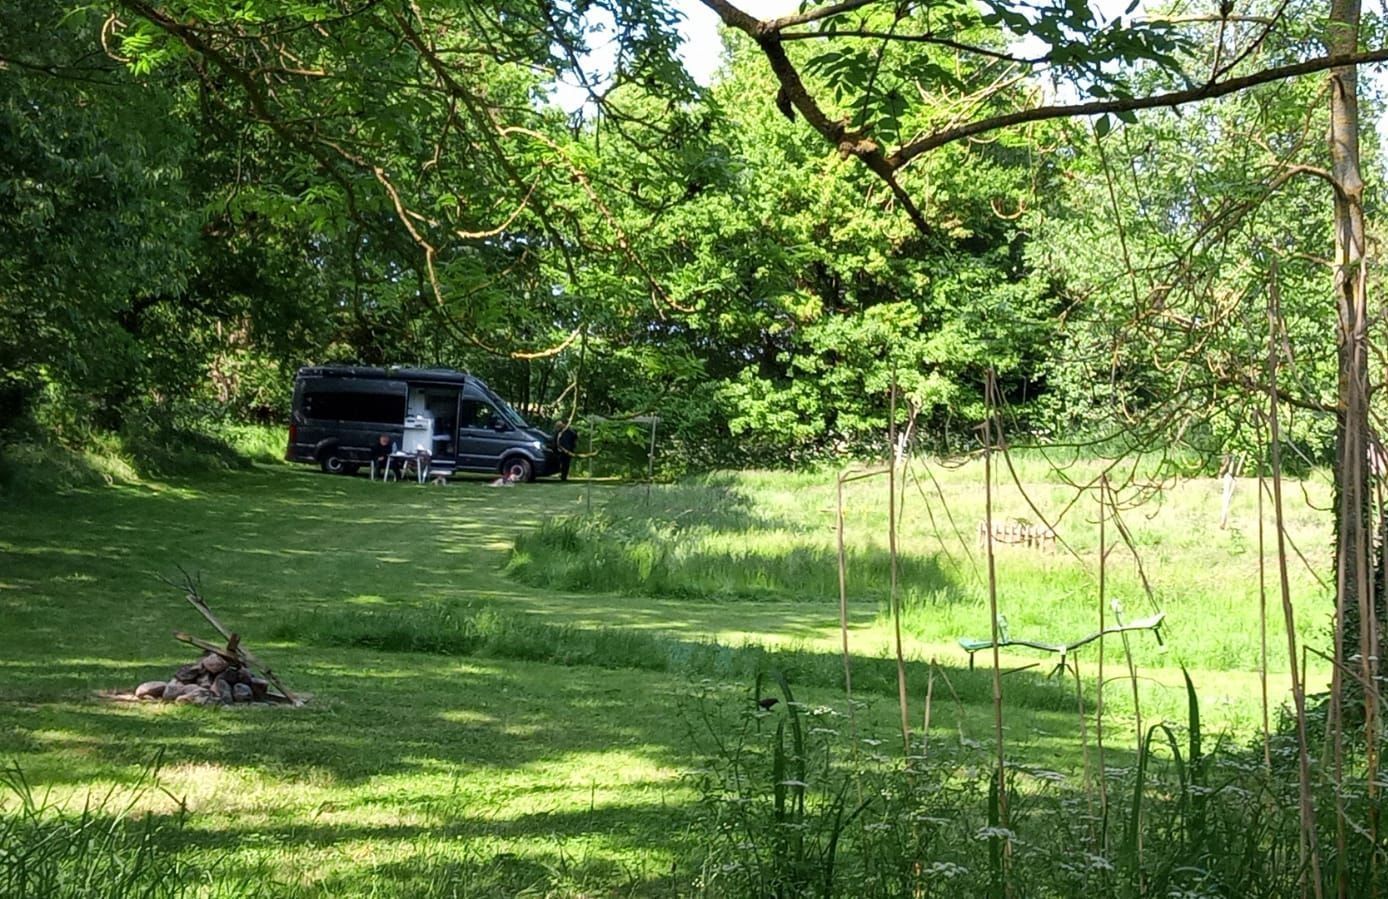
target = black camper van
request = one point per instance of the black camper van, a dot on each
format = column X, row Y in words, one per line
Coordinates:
column 341, row 411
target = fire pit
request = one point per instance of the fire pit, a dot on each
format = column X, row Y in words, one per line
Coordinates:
column 224, row 675
column 218, row 677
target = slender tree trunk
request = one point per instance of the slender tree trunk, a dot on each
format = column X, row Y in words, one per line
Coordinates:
column 1355, row 611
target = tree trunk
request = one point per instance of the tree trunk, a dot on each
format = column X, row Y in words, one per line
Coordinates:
column 1355, row 612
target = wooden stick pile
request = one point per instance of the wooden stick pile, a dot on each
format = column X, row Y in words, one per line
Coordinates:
column 224, row 674
column 1018, row 533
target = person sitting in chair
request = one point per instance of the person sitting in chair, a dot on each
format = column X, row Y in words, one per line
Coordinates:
column 380, row 455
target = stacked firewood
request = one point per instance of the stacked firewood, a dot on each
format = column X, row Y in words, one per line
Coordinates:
column 1018, row 533
column 213, row 678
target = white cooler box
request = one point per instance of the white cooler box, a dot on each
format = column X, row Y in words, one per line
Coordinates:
column 419, row 434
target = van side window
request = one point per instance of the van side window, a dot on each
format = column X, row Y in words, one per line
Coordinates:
column 476, row 414
column 376, row 408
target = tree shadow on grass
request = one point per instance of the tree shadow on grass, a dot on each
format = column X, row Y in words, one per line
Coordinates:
column 411, row 773
column 82, row 582
column 397, row 730
column 380, row 714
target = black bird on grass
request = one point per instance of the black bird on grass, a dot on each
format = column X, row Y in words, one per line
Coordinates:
column 767, row 702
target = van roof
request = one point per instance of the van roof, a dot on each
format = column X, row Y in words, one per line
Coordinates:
column 393, row 373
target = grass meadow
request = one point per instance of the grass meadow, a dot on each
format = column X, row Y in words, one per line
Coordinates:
column 740, row 540
column 519, row 691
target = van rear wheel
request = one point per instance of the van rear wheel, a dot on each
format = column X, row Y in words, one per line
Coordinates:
column 332, row 463
column 518, row 468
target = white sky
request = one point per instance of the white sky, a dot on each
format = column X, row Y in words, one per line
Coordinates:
column 702, row 48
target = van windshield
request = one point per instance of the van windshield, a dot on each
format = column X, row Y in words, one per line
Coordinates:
column 516, row 418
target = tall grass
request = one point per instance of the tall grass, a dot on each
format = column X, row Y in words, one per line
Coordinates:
column 102, row 849
column 464, row 629
column 43, row 466
column 37, row 463
column 790, row 807
column 770, row 536
column 688, row 557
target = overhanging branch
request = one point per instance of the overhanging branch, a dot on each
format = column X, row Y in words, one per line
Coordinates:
column 769, row 36
column 1166, row 100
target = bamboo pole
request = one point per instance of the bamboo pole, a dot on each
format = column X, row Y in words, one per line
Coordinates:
column 990, row 389
column 1099, row 696
column 1263, row 625
column 1127, row 647
column 1371, row 722
column 1084, row 743
column 843, row 608
column 843, row 632
column 1137, row 703
column 1310, row 854
column 893, row 592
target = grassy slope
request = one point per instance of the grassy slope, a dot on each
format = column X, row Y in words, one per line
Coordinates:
column 409, row 772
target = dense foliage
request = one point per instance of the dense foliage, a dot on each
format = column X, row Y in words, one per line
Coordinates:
column 187, row 214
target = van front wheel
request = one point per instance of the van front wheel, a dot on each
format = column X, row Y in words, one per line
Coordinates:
column 518, row 468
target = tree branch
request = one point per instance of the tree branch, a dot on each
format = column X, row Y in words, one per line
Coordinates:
column 62, row 72
column 814, row 15
column 835, row 131
column 768, row 35
column 931, row 39
column 1169, row 99
column 255, row 93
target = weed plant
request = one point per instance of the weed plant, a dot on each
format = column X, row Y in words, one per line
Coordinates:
column 98, row 851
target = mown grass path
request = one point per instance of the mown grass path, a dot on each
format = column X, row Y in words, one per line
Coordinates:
column 401, row 759
column 406, row 770
column 409, row 773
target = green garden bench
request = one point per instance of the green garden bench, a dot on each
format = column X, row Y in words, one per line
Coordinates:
column 1152, row 623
